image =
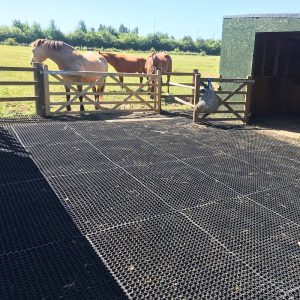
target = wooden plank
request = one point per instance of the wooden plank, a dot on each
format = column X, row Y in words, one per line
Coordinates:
column 132, row 92
column 188, row 84
column 79, row 94
column 233, row 93
column 229, row 92
column 39, row 90
column 14, row 99
column 248, row 103
column 263, row 63
column 223, row 102
column 18, row 82
column 236, row 102
column 177, row 95
column 25, row 69
column 87, row 83
column 184, row 102
column 100, row 93
column 277, row 56
column 181, row 85
column 229, row 112
column 109, row 111
column 196, row 96
column 105, row 74
column 221, row 119
column 174, row 74
column 72, row 88
column 158, row 90
column 232, row 80
column 46, row 98
column 102, row 103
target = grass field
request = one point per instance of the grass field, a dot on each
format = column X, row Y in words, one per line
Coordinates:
column 19, row 56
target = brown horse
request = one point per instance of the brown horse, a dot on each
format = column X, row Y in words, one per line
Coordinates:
column 161, row 61
column 125, row 63
column 68, row 58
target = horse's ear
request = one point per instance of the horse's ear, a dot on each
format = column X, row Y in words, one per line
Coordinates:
column 40, row 42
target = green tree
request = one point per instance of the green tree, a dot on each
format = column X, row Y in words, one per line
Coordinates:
column 81, row 26
column 23, row 26
column 101, row 27
column 53, row 32
column 123, row 29
column 135, row 30
column 36, row 31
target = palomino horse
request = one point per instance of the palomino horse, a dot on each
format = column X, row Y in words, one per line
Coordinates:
column 161, row 61
column 68, row 58
column 125, row 63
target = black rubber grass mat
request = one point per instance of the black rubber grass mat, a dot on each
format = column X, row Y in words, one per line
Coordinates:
column 105, row 199
column 71, row 158
column 15, row 163
column 43, row 255
column 134, row 151
column 181, row 146
column 99, row 131
column 180, row 185
column 32, row 215
column 266, row 242
column 46, row 134
column 238, row 175
column 170, row 258
column 284, row 200
column 67, row 269
column 162, row 203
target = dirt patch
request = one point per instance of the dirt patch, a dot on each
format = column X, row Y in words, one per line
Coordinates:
column 281, row 126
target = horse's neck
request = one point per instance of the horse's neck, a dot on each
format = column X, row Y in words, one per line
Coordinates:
column 65, row 58
column 111, row 59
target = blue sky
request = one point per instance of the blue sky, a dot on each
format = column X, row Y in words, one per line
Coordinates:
column 177, row 18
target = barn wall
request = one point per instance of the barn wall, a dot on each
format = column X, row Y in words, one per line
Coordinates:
column 238, row 40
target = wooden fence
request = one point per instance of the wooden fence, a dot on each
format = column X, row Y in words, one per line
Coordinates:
column 230, row 109
column 36, row 82
column 130, row 96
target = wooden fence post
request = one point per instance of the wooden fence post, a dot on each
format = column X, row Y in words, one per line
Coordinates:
column 39, row 89
column 196, row 96
column 46, row 98
column 158, row 90
column 248, row 101
column 195, row 71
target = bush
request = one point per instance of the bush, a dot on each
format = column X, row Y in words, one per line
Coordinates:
column 10, row 42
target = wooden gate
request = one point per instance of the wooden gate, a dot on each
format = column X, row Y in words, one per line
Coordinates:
column 129, row 96
column 230, row 109
column 234, row 96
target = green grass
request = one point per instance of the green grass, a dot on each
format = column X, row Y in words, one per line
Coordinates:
column 19, row 56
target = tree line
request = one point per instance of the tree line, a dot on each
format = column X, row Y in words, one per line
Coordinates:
column 106, row 37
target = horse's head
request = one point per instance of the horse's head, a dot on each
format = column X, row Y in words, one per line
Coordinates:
column 41, row 49
column 38, row 51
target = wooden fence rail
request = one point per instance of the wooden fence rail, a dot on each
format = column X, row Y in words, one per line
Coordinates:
column 131, row 94
column 243, row 88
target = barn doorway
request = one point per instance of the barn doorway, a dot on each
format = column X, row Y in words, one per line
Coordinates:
column 276, row 70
